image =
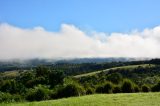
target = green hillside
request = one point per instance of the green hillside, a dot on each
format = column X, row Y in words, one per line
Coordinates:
column 132, row 99
column 121, row 67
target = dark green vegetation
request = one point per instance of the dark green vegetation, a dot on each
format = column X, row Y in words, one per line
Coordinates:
column 60, row 80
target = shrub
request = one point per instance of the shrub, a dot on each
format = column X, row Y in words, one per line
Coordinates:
column 7, row 97
column 105, row 88
column 145, row 88
column 89, row 90
column 116, row 89
column 156, row 87
column 30, row 83
column 108, row 87
column 71, row 90
column 100, row 89
column 56, row 91
column 53, row 95
column 6, row 86
column 42, row 71
column 136, row 88
column 17, row 98
column 26, row 76
column 37, row 94
column 10, row 86
column 55, row 78
column 114, row 77
column 127, row 86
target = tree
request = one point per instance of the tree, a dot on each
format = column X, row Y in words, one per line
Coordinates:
column 26, row 76
column 114, row 77
column 56, row 77
column 10, row 86
column 145, row 88
column 116, row 89
column 71, row 90
column 127, row 86
column 89, row 90
column 42, row 71
column 105, row 88
column 100, row 89
column 6, row 87
column 37, row 93
column 136, row 88
column 108, row 87
column 156, row 87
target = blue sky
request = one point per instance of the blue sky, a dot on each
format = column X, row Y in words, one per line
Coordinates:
column 56, row 29
column 100, row 15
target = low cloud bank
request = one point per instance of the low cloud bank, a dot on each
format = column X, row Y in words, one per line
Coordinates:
column 71, row 42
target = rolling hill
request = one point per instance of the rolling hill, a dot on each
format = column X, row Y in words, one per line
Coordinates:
column 132, row 99
column 121, row 67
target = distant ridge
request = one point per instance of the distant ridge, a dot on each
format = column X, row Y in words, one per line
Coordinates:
column 28, row 64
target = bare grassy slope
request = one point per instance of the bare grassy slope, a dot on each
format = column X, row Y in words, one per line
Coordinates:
column 132, row 99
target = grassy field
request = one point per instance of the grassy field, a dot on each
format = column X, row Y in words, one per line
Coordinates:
column 10, row 73
column 122, row 67
column 132, row 99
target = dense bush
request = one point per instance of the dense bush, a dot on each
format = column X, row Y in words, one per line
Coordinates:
column 25, row 77
column 156, row 87
column 136, row 88
column 115, row 78
column 37, row 94
column 105, row 88
column 6, row 86
column 127, row 86
column 7, row 97
column 116, row 89
column 108, row 87
column 10, row 86
column 71, row 90
column 89, row 90
column 100, row 89
column 55, row 78
column 145, row 88
column 42, row 71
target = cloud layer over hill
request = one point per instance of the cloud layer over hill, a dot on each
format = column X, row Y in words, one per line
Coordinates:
column 71, row 42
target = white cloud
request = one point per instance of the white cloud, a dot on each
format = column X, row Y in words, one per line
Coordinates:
column 70, row 42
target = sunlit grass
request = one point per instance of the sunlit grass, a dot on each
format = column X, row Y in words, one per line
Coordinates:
column 132, row 99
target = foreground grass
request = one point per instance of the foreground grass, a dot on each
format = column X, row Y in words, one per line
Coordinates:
column 132, row 99
column 114, row 68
